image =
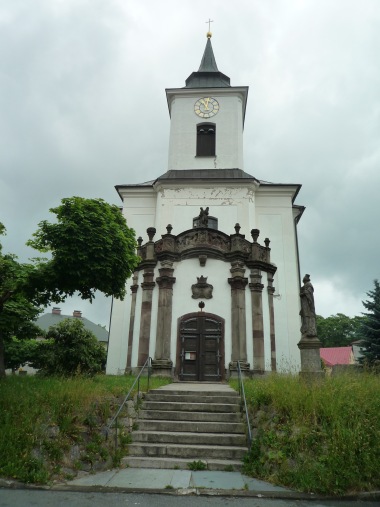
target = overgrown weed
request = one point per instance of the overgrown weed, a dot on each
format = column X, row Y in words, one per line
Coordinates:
column 42, row 417
column 323, row 437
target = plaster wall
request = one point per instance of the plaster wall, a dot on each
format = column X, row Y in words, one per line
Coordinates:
column 228, row 203
column 139, row 209
column 118, row 338
column 229, row 132
column 275, row 220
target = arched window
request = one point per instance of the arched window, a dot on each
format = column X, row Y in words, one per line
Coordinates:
column 206, row 139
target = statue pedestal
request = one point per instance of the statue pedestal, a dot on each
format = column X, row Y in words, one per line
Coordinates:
column 310, row 358
column 244, row 368
column 162, row 367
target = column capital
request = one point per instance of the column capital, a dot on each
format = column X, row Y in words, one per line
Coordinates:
column 134, row 288
column 256, row 287
column 165, row 281
column 237, row 269
column 238, row 282
column 148, row 283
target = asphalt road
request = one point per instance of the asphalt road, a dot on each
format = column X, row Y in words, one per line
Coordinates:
column 36, row 498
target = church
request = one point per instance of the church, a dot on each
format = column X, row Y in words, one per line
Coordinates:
column 218, row 280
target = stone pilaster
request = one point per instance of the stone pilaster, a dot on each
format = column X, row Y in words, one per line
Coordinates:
column 238, row 316
column 146, row 315
column 271, row 290
column 257, row 321
column 162, row 364
column 134, row 289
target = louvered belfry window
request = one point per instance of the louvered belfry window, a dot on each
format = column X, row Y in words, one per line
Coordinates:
column 206, row 139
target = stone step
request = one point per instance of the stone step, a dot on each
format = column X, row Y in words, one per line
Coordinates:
column 180, row 464
column 190, row 426
column 190, row 407
column 190, row 391
column 191, row 416
column 193, row 398
column 189, row 438
column 193, row 452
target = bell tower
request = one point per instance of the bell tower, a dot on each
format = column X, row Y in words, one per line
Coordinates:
column 207, row 119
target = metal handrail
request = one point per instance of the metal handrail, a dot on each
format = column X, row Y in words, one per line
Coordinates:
column 243, row 399
column 148, row 364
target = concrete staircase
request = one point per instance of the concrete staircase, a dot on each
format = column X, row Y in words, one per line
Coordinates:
column 182, row 423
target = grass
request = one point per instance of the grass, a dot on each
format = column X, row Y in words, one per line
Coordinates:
column 197, row 465
column 323, row 438
column 32, row 408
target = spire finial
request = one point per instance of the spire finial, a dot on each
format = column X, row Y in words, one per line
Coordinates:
column 209, row 34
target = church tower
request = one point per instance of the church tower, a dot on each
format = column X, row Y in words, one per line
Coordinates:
column 218, row 280
column 207, row 119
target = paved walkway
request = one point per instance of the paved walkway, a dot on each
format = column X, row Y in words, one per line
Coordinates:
column 148, row 479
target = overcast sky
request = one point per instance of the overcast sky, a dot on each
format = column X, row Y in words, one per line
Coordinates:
column 82, row 85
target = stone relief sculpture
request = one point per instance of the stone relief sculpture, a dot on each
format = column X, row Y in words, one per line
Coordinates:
column 202, row 289
column 308, row 327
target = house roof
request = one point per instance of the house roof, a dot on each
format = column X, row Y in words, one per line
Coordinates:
column 50, row 319
column 336, row 355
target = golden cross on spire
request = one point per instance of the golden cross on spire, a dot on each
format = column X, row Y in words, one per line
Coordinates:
column 209, row 22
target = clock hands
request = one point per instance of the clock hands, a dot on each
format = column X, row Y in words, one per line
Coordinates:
column 205, row 102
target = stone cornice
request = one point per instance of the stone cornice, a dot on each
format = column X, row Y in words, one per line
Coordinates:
column 215, row 244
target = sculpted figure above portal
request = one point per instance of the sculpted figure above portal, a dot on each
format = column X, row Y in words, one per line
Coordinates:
column 203, row 217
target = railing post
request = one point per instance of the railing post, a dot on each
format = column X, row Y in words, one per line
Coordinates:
column 116, row 428
column 244, row 402
column 149, row 363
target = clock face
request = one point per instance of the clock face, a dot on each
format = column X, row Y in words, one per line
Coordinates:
column 206, row 107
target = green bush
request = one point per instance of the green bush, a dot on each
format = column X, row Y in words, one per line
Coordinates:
column 70, row 350
column 20, row 352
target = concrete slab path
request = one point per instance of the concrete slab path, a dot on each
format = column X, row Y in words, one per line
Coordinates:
column 198, row 387
column 148, row 478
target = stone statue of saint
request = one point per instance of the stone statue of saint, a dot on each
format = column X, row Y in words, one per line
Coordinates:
column 203, row 218
column 308, row 327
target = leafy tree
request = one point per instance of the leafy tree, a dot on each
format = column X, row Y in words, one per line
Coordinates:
column 338, row 330
column 19, row 353
column 92, row 249
column 18, row 310
column 70, row 350
column 371, row 327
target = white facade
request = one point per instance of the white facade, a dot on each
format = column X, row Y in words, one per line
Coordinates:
column 252, row 315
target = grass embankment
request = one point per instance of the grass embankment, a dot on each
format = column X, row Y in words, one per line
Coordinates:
column 321, row 438
column 41, row 419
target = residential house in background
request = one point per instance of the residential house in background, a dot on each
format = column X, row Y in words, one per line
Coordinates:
column 337, row 357
column 48, row 320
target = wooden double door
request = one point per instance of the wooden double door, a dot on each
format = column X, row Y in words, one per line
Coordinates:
column 200, row 347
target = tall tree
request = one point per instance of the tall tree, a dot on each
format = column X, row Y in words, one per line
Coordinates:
column 91, row 249
column 18, row 310
column 338, row 330
column 371, row 327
